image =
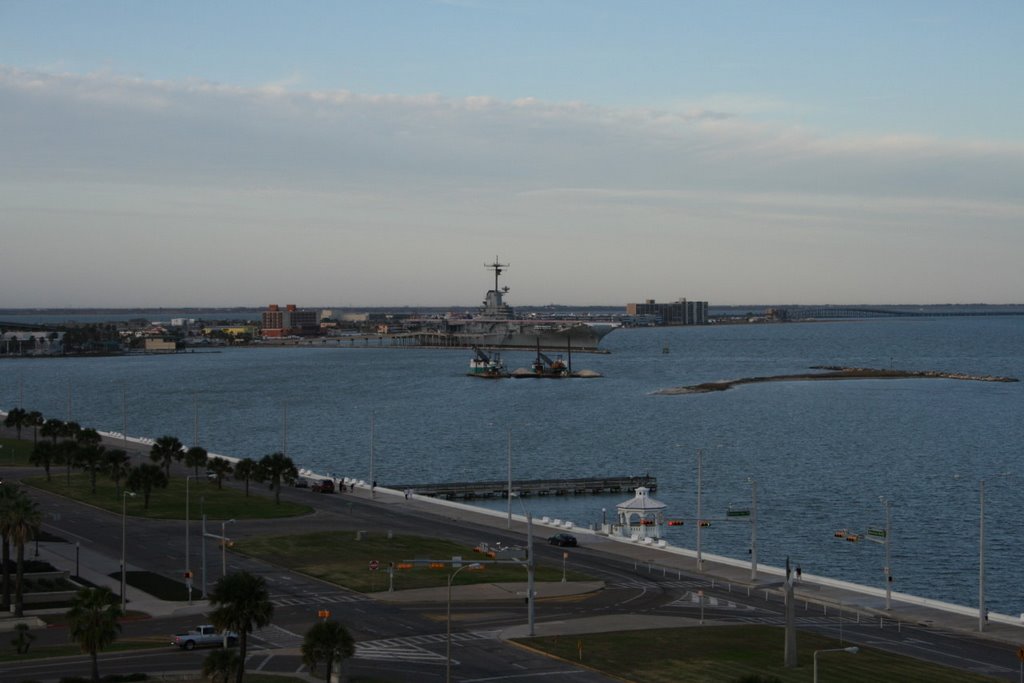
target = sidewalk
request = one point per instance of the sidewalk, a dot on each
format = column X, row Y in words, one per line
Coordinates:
column 96, row 568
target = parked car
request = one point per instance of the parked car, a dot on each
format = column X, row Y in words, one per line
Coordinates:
column 563, row 540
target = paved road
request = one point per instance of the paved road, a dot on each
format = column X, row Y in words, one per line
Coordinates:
column 401, row 636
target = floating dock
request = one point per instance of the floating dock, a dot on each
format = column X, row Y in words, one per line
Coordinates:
column 531, row 487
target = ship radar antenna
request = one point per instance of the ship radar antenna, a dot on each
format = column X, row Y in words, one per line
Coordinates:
column 497, row 267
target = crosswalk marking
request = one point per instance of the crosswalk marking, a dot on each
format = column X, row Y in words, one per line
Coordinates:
column 411, row 648
column 640, row 583
column 693, row 599
column 275, row 636
column 317, row 599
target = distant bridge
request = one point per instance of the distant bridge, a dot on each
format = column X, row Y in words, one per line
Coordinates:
column 848, row 312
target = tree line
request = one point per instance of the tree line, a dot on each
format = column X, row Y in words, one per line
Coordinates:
column 65, row 443
column 240, row 601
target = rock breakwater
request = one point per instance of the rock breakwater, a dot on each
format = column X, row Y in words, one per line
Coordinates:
column 831, row 372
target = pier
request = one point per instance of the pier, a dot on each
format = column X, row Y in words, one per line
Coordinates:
column 529, row 487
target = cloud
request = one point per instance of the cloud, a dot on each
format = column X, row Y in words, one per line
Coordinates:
column 268, row 174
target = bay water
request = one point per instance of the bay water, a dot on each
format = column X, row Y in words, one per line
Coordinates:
column 824, row 454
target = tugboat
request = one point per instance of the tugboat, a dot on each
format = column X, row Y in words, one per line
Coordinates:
column 486, row 367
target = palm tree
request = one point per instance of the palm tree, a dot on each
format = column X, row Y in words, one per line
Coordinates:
column 70, row 430
column 165, row 450
column 247, row 470
column 67, row 454
column 43, row 455
column 327, row 641
column 17, row 418
column 35, row 421
column 92, row 622
column 195, row 457
column 20, row 524
column 145, row 478
column 240, row 603
column 220, row 468
column 92, row 458
column 221, row 665
column 8, row 492
column 278, row 467
column 117, row 464
column 87, row 437
column 52, row 429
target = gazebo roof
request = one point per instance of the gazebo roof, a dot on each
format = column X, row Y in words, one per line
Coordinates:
column 642, row 501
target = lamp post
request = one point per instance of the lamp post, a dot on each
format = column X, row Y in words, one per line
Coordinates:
column 753, row 530
column 124, row 517
column 509, row 478
column 188, row 571
column 202, row 545
column 530, row 568
column 888, row 556
column 223, row 548
column 700, row 558
column 981, row 555
column 373, row 482
column 448, row 637
column 852, row 650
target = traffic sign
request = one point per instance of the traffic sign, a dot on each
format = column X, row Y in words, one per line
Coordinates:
column 374, row 565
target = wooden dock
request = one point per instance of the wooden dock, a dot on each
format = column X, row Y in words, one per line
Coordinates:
column 530, row 487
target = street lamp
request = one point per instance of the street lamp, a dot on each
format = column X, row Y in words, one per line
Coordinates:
column 188, row 571
column 852, row 650
column 981, row 556
column 124, row 517
column 448, row 638
column 753, row 530
column 509, row 477
column 700, row 558
column 223, row 548
column 888, row 557
column 531, row 568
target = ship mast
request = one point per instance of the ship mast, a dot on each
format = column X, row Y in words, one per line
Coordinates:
column 497, row 267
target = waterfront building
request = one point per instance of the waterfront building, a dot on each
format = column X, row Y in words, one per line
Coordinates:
column 290, row 321
column 681, row 312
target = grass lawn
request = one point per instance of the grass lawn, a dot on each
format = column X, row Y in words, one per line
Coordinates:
column 169, row 503
column 337, row 557
column 8, row 654
column 14, row 453
column 726, row 654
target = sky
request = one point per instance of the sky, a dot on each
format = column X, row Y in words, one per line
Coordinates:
column 379, row 153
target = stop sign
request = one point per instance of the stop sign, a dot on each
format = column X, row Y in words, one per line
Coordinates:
column 373, row 565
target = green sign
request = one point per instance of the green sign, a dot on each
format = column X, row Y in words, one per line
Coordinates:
column 737, row 513
column 876, row 532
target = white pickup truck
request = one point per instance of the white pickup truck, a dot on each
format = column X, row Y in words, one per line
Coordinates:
column 204, row 636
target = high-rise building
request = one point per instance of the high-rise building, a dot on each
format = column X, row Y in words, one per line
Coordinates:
column 290, row 321
column 681, row 312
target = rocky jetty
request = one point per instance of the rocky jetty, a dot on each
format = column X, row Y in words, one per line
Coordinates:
column 832, row 372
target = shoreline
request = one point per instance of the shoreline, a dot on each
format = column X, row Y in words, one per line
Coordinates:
column 832, row 372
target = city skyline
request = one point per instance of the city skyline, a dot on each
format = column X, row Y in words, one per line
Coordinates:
column 379, row 154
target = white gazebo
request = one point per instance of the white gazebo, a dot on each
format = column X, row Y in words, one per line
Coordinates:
column 642, row 517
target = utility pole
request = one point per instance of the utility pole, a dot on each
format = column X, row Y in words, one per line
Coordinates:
column 753, row 530
column 981, row 556
column 790, row 651
column 700, row 559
